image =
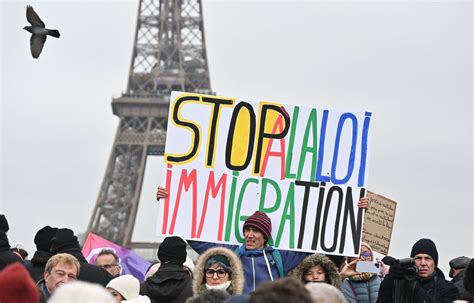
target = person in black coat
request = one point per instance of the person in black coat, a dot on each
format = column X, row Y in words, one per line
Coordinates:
column 42, row 254
column 428, row 286
column 7, row 257
column 64, row 241
column 171, row 283
column 468, row 293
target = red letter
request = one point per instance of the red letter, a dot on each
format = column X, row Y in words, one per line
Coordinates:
column 281, row 153
column 186, row 181
column 214, row 189
column 169, row 174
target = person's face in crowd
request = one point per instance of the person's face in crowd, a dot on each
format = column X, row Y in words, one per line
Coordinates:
column 426, row 265
column 315, row 274
column 253, row 238
column 453, row 272
column 108, row 263
column 216, row 275
column 117, row 296
column 60, row 274
column 365, row 253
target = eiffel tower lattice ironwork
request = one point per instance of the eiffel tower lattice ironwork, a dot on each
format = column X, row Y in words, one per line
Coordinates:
column 169, row 53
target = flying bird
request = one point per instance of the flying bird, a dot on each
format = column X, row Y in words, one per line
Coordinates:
column 38, row 31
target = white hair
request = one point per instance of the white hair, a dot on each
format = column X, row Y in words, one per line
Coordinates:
column 81, row 292
column 325, row 293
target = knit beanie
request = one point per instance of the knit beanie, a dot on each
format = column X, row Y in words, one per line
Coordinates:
column 17, row 285
column 63, row 240
column 4, row 223
column 425, row 246
column 127, row 285
column 173, row 250
column 260, row 221
column 220, row 259
column 43, row 238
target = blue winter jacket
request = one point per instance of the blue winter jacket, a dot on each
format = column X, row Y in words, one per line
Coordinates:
column 361, row 291
column 254, row 264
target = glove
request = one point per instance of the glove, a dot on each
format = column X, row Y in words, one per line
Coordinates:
column 397, row 271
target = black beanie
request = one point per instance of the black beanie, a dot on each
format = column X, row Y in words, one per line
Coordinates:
column 425, row 246
column 63, row 240
column 4, row 223
column 43, row 237
column 173, row 250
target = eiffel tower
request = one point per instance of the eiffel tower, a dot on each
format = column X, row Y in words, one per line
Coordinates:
column 169, row 53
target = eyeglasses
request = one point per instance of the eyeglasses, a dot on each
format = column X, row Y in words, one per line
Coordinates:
column 366, row 254
column 107, row 266
column 220, row 273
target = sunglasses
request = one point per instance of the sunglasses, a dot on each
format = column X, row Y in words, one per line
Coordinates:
column 220, row 273
column 366, row 254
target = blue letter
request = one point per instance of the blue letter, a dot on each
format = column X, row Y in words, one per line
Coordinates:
column 350, row 165
column 363, row 150
column 322, row 136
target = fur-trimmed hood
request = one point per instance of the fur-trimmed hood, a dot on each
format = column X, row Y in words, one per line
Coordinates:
column 331, row 271
column 237, row 280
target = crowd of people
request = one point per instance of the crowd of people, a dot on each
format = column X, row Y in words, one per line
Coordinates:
column 252, row 272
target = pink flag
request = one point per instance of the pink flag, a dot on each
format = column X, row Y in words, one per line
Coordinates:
column 130, row 262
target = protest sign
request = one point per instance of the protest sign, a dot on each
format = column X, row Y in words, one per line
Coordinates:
column 378, row 222
column 305, row 167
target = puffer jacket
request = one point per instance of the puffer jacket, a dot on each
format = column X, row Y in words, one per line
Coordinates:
column 361, row 291
column 332, row 274
column 237, row 276
column 254, row 262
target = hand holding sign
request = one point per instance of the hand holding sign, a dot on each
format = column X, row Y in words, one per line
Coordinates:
column 161, row 193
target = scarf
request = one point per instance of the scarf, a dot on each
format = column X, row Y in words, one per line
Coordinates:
column 254, row 252
column 222, row 286
column 364, row 276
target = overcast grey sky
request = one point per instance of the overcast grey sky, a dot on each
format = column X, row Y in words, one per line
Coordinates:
column 408, row 62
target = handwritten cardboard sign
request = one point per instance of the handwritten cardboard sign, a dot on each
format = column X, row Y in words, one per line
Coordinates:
column 305, row 167
column 378, row 222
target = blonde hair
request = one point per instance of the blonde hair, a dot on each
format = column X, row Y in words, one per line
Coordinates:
column 64, row 259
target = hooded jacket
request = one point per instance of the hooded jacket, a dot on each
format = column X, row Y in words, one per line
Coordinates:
column 237, row 276
column 257, row 264
column 169, row 284
column 332, row 274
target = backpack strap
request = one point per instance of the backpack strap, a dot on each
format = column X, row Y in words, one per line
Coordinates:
column 279, row 262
